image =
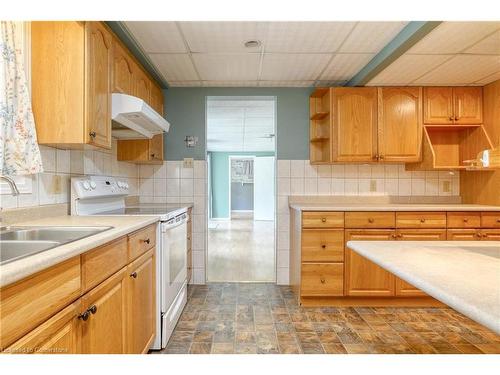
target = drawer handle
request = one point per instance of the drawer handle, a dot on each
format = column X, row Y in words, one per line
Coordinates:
column 478, row 234
column 322, row 279
column 92, row 309
column 134, row 275
column 370, row 220
column 323, row 246
column 466, row 220
column 400, row 235
column 147, row 240
column 484, row 235
column 498, row 220
column 84, row 316
column 92, row 134
column 393, row 236
column 422, row 220
column 323, row 219
column 456, row 118
column 451, row 118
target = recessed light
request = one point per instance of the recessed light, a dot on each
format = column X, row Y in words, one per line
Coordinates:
column 252, row 43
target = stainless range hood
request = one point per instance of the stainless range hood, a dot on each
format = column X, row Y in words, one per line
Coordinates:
column 133, row 118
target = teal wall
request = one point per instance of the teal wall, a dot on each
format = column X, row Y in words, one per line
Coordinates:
column 219, row 169
column 185, row 110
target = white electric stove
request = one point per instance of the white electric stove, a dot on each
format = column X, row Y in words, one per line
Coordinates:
column 105, row 196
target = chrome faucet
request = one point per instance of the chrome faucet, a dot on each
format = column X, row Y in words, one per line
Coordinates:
column 13, row 187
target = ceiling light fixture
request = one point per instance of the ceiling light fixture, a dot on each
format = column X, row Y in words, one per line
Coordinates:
column 252, row 43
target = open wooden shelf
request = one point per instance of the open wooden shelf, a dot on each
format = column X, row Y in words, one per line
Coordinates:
column 449, row 147
column 320, row 126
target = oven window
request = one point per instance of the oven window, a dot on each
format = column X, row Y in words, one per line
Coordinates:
column 177, row 251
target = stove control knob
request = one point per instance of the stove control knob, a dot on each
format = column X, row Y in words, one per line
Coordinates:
column 93, row 185
column 120, row 185
column 125, row 185
column 86, row 185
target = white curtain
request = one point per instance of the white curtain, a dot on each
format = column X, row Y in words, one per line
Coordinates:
column 19, row 152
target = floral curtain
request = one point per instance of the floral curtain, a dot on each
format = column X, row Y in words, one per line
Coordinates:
column 19, row 152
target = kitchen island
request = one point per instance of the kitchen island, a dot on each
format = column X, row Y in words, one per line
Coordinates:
column 464, row 275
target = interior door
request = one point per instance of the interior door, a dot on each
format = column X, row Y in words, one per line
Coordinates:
column 263, row 190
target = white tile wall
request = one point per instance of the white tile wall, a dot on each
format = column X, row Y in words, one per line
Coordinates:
column 53, row 185
column 348, row 179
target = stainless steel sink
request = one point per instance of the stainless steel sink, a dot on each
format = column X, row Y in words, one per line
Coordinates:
column 20, row 242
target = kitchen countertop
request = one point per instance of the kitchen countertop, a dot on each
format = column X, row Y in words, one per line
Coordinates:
column 123, row 225
column 462, row 274
column 390, row 207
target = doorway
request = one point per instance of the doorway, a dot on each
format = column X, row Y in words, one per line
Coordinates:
column 241, row 173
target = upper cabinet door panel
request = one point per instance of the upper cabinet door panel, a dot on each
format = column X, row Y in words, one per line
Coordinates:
column 98, row 84
column 157, row 99
column 438, row 105
column 122, row 70
column 142, row 85
column 355, row 124
column 400, row 124
column 468, row 105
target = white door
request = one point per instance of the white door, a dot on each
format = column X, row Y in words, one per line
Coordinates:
column 263, row 188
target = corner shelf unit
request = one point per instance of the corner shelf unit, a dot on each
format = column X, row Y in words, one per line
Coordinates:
column 320, row 112
column 448, row 146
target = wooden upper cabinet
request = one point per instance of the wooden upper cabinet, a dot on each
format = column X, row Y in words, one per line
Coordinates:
column 122, row 70
column 355, row 124
column 453, row 105
column 98, row 88
column 468, row 105
column 104, row 331
column 142, row 85
column 157, row 98
column 438, row 105
column 400, row 124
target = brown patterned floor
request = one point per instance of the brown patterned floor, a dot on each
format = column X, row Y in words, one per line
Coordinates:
column 265, row 318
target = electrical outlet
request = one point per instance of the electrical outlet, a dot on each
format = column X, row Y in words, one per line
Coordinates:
column 188, row 163
column 373, row 185
column 446, row 186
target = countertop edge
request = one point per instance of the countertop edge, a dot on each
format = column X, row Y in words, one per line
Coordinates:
column 393, row 207
column 442, row 295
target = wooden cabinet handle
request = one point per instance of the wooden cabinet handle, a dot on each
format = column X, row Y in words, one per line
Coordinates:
column 92, row 309
column 322, row 279
column 323, row 246
column 400, row 235
column 478, row 234
column 370, row 220
column 147, row 240
column 456, row 118
column 134, row 275
column 393, row 236
column 466, row 220
column 92, row 134
column 381, row 157
column 422, row 220
column 323, row 219
column 485, row 235
column 451, row 118
column 84, row 316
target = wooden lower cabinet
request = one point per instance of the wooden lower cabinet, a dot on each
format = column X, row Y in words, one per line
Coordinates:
column 103, row 316
column 363, row 277
column 141, row 303
column 322, row 279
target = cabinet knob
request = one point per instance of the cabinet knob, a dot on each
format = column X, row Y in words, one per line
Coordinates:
column 147, row 240
column 466, row 220
column 400, row 235
column 381, row 157
column 498, row 220
column 376, row 157
column 322, row 279
column 451, row 118
column 422, row 220
column 84, row 316
column 323, row 246
column 152, row 155
column 92, row 134
column 323, row 219
column 456, row 118
column 484, row 235
column 134, row 275
column 393, row 236
column 478, row 235
column 370, row 220
column 92, row 309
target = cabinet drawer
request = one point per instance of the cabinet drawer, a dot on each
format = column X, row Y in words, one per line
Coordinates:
column 322, row 219
column 100, row 263
column 421, row 219
column 29, row 302
column 369, row 220
column 490, row 219
column 490, row 235
column 463, row 219
column 321, row 245
column 322, row 279
column 463, row 235
column 141, row 241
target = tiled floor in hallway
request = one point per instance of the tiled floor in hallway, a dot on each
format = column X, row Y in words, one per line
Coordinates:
column 265, row 318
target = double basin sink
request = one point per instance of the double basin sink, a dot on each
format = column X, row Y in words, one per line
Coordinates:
column 20, row 242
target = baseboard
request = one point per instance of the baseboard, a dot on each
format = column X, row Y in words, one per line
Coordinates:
column 370, row 302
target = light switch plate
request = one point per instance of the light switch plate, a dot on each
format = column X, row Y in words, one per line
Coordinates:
column 188, row 163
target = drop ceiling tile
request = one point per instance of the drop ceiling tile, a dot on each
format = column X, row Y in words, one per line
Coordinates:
column 286, row 83
column 371, row 37
column 453, row 37
column 462, row 69
column 175, row 67
column 491, row 78
column 222, row 36
column 345, row 66
column 407, row 68
column 234, row 83
column 157, row 37
column 306, row 37
column 184, row 83
column 293, row 67
column 489, row 45
column 227, row 67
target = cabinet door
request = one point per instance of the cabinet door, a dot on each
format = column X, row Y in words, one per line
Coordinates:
column 363, row 277
column 490, row 234
column 438, row 106
column 463, row 235
column 468, row 105
column 122, row 70
column 141, row 303
column 99, row 60
column 403, row 288
column 142, row 85
column 58, row 335
column 355, row 124
column 400, row 124
column 104, row 332
column 156, row 148
column 157, row 99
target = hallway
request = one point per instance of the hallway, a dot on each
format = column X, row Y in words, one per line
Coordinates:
column 241, row 250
